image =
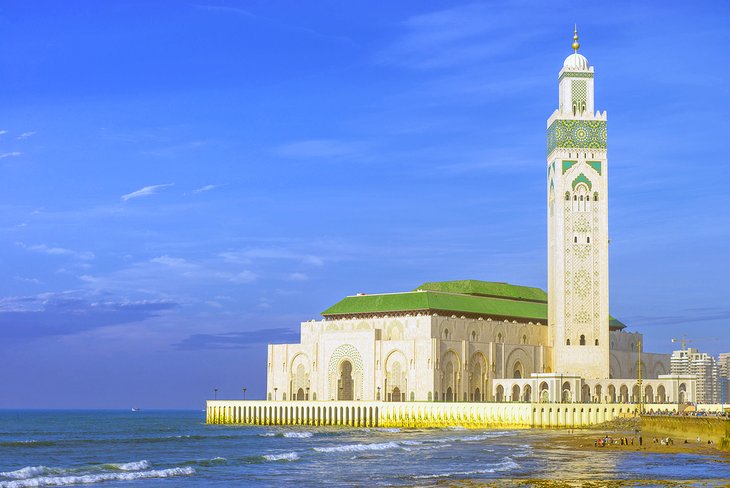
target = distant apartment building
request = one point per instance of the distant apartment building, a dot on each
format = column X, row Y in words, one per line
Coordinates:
column 704, row 367
column 724, row 369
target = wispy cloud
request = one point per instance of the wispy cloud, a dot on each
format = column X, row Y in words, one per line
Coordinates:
column 3, row 131
column 297, row 277
column 34, row 281
column 238, row 340
column 26, row 135
column 203, row 189
column 243, row 277
column 145, row 191
column 65, row 313
column 465, row 35
column 251, row 255
column 318, row 148
column 57, row 251
column 10, row 154
column 225, row 9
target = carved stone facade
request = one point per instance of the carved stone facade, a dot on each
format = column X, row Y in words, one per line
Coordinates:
column 405, row 358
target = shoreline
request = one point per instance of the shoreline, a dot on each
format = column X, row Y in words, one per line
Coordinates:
column 584, row 439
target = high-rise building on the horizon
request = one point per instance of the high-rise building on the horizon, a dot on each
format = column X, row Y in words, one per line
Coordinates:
column 704, row 367
column 724, row 369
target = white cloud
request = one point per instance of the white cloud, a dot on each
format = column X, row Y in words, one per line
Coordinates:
column 297, row 277
column 35, row 281
column 57, row 251
column 172, row 262
column 145, row 192
column 317, row 148
column 204, row 189
column 3, row 132
column 26, row 135
column 247, row 257
column 243, row 277
column 10, row 154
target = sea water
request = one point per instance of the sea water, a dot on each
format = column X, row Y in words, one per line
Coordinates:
column 177, row 448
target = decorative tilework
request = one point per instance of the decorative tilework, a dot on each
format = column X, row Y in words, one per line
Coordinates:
column 596, row 165
column 579, row 94
column 582, row 179
column 576, row 134
column 575, row 74
column 567, row 165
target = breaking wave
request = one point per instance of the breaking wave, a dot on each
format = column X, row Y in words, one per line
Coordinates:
column 380, row 446
column 287, row 456
column 298, row 435
column 507, row 464
column 82, row 479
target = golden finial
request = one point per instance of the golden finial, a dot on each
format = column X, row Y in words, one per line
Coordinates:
column 576, row 44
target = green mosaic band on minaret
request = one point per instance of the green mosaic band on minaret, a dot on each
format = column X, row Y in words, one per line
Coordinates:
column 576, row 134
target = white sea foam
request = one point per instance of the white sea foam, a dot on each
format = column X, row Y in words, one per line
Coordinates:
column 388, row 429
column 95, row 478
column 380, row 446
column 134, row 466
column 288, row 456
column 26, row 472
column 298, row 435
column 268, row 434
column 506, row 465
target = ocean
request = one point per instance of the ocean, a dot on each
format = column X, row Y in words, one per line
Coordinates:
column 177, row 448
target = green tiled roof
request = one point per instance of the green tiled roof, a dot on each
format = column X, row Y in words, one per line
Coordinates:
column 438, row 301
column 488, row 289
column 466, row 297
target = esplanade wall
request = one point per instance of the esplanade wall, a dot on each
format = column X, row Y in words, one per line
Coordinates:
column 418, row 414
column 682, row 427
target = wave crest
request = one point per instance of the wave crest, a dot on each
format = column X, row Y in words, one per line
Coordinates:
column 95, row 478
column 288, row 456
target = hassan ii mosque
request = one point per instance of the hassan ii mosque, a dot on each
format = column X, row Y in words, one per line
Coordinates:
column 480, row 351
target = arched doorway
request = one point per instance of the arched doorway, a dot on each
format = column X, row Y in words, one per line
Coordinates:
column 649, row 394
column 345, row 382
column 586, row 394
column 516, row 393
column 624, row 394
column 661, row 394
column 566, row 395
column 682, row 393
column 598, row 392
column 517, row 370
column 477, row 395
column 611, row 393
column 527, row 394
column 449, row 394
column 396, row 395
column 300, row 394
column 544, row 393
column 500, row 393
column 635, row 394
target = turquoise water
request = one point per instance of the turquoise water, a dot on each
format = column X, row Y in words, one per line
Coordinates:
column 176, row 448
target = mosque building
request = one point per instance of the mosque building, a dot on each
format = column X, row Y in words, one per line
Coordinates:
column 480, row 341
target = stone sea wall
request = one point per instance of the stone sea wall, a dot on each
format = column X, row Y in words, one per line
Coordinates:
column 414, row 414
column 679, row 428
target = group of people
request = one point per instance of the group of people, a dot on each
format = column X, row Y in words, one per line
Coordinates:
column 623, row 441
column 668, row 441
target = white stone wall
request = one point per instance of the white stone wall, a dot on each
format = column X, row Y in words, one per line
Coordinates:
column 625, row 357
column 407, row 358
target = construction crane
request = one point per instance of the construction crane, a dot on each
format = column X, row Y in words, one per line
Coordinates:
column 684, row 342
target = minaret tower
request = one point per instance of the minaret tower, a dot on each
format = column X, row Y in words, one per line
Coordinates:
column 577, row 188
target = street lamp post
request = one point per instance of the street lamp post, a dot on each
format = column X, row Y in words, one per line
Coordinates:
column 307, row 393
column 215, row 393
column 378, row 393
column 244, row 393
column 275, row 393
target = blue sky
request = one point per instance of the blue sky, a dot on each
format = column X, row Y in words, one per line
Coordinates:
column 182, row 182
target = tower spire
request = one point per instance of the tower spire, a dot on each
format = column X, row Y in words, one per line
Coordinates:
column 575, row 44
